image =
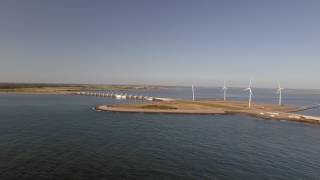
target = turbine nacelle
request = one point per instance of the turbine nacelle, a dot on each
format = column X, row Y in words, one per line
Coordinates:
column 250, row 90
column 279, row 90
column 224, row 86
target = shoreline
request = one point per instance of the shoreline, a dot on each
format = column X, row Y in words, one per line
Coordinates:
column 201, row 107
column 149, row 111
column 263, row 111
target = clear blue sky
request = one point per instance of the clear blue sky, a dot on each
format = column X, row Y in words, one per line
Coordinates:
column 173, row 42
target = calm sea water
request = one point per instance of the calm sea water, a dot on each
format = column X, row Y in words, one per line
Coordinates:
column 61, row 137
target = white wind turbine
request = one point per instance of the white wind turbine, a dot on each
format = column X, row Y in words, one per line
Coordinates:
column 279, row 91
column 224, row 89
column 192, row 92
column 250, row 93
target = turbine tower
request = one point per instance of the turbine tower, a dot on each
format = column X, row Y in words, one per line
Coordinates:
column 250, row 93
column 224, row 89
column 279, row 91
column 192, row 92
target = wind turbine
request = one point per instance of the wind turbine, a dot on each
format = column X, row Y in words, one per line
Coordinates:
column 192, row 92
column 250, row 93
column 224, row 89
column 279, row 91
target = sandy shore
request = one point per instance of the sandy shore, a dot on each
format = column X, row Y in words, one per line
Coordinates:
column 173, row 111
column 207, row 107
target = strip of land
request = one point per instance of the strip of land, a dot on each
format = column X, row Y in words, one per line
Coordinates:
column 213, row 107
column 26, row 88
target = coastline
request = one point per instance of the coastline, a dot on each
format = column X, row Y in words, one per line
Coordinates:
column 263, row 111
column 159, row 111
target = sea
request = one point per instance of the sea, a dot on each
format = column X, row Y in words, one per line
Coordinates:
column 62, row 137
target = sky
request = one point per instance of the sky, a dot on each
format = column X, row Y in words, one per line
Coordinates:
column 161, row 42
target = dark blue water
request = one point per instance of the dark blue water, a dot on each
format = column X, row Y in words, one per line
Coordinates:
column 61, row 137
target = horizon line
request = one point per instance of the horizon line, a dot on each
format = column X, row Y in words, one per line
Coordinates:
column 156, row 85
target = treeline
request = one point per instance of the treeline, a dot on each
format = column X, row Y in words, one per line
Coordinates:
column 34, row 85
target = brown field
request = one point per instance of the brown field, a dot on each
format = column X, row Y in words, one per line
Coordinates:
column 228, row 106
column 212, row 107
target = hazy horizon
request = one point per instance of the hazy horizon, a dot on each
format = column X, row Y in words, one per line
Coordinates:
column 230, row 86
column 161, row 42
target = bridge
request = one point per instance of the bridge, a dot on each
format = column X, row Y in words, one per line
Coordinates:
column 123, row 96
